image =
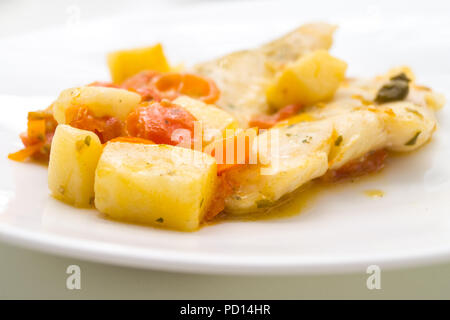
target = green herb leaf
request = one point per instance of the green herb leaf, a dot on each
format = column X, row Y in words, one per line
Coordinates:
column 395, row 90
column 338, row 141
column 413, row 140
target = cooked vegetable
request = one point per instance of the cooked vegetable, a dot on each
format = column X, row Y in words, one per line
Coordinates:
column 162, row 122
column 141, row 84
column 302, row 117
column 126, row 63
column 314, row 77
column 172, row 85
column 73, row 159
column 214, row 121
column 285, row 116
column 413, row 140
column 372, row 161
column 394, row 90
column 101, row 101
column 26, row 152
column 38, row 138
column 268, row 121
column 132, row 140
column 106, row 128
column 155, row 184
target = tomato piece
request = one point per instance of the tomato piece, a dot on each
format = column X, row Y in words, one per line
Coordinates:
column 171, row 85
column 371, row 162
column 140, row 83
column 105, row 127
column 160, row 122
column 131, row 140
column 223, row 190
column 268, row 121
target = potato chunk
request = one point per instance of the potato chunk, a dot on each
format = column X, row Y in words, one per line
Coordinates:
column 73, row 158
column 159, row 185
column 214, row 121
column 126, row 63
column 312, row 78
column 100, row 100
column 293, row 155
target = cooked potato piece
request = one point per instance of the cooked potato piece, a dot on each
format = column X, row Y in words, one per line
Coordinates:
column 100, row 100
column 314, row 77
column 73, row 158
column 300, row 155
column 155, row 184
column 214, row 121
column 356, row 133
column 126, row 63
column 408, row 126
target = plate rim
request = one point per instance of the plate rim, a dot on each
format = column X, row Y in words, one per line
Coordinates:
column 163, row 260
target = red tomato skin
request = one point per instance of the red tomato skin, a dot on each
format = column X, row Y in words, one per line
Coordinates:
column 158, row 121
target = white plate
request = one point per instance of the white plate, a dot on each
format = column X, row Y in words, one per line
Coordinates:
column 339, row 230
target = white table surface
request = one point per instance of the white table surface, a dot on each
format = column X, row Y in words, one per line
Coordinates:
column 26, row 274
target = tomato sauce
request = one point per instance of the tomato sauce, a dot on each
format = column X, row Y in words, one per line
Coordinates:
column 106, row 128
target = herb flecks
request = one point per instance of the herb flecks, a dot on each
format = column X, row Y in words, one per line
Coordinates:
column 263, row 203
column 87, row 140
column 338, row 141
column 307, row 139
column 160, row 220
column 413, row 140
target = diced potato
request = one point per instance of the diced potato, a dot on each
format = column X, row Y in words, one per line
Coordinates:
column 298, row 154
column 73, row 158
column 356, row 133
column 159, row 185
column 408, row 126
column 126, row 63
column 100, row 100
column 214, row 121
column 312, row 78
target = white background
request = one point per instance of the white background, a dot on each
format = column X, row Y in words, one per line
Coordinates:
column 26, row 274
